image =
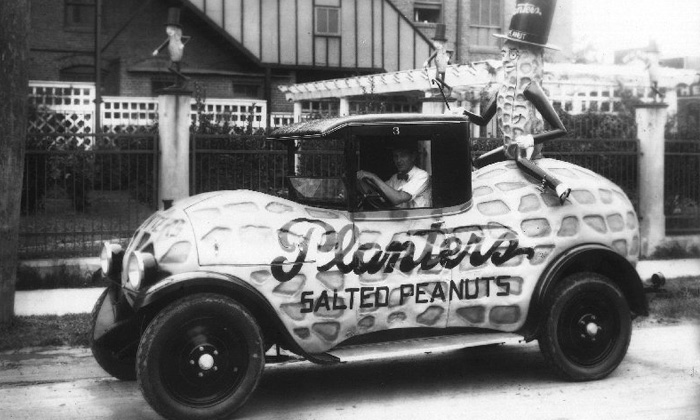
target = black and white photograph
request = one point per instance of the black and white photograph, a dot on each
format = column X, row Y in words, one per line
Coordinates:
column 349, row 209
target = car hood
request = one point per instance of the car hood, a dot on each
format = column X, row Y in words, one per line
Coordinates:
column 246, row 227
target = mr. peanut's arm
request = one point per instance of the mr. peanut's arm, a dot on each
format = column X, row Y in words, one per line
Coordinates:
column 430, row 59
column 497, row 154
column 483, row 119
column 161, row 46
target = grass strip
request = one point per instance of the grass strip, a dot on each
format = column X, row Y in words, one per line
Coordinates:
column 45, row 330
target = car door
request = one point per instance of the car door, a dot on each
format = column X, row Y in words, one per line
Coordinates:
column 398, row 270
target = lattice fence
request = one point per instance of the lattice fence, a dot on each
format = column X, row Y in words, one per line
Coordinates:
column 66, row 107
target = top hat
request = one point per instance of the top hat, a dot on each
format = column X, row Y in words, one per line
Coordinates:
column 440, row 32
column 531, row 23
column 173, row 17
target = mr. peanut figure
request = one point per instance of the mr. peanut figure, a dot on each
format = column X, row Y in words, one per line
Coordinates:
column 441, row 56
column 651, row 59
column 520, row 100
column 176, row 44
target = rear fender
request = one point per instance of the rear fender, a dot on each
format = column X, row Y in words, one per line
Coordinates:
column 586, row 258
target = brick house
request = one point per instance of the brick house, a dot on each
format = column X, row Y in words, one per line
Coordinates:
column 245, row 49
column 240, row 49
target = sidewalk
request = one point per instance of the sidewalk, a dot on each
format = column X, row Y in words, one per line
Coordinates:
column 65, row 301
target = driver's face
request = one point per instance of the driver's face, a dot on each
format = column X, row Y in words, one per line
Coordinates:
column 404, row 160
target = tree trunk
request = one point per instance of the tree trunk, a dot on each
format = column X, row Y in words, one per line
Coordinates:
column 14, row 48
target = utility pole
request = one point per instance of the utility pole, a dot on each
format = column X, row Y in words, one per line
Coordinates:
column 14, row 81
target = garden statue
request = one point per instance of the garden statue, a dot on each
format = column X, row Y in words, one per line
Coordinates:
column 520, row 103
column 441, row 56
column 176, row 44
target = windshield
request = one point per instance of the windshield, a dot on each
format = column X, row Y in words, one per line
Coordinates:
column 318, row 190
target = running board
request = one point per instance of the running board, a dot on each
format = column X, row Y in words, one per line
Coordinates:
column 418, row 346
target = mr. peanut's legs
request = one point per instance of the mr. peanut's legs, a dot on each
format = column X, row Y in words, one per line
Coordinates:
column 548, row 180
column 529, row 168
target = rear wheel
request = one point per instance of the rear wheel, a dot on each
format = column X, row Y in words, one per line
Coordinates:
column 588, row 327
column 200, row 358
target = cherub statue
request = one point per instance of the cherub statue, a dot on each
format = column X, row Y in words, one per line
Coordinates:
column 520, row 100
column 441, row 56
column 176, row 45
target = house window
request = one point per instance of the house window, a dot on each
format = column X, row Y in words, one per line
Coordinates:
column 80, row 14
column 328, row 21
column 246, row 91
column 427, row 12
column 486, row 16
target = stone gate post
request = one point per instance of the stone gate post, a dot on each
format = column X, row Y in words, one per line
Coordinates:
column 174, row 144
column 651, row 122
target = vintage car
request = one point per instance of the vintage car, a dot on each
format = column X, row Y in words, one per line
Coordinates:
column 333, row 274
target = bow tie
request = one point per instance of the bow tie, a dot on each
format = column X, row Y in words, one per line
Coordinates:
column 402, row 177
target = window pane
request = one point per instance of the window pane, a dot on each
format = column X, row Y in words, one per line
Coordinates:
column 485, row 12
column 496, row 12
column 475, row 11
column 333, row 21
column 80, row 13
column 430, row 15
column 321, row 20
column 328, row 20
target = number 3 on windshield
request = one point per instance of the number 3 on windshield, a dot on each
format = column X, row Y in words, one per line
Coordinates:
column 396, row 131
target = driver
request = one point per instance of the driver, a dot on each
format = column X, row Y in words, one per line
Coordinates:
column 410, row 187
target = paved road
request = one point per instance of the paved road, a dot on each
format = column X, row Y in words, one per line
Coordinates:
column 659, row 379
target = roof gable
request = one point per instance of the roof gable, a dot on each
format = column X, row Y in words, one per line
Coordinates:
column 374, row 35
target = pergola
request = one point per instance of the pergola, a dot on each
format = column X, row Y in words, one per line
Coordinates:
column 576, row 84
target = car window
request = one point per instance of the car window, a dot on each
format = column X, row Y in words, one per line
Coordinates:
column 319, row 191
column 317, row 173
column 379, row 155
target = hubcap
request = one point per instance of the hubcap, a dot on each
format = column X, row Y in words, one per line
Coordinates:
column 588, row 329
column 592, row 329
column 204, row 363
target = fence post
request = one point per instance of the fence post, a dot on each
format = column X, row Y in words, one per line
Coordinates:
column 651, row 122
column 174, row 144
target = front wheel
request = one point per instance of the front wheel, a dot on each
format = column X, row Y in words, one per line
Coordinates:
column 588, row 327
column 200, row 358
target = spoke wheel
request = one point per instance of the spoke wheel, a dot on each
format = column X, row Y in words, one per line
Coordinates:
column 201, row 357
column 588, row 328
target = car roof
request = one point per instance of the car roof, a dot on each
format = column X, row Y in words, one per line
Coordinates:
column 334, row 128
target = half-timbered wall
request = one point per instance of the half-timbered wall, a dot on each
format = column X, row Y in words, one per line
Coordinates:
column 368, row 34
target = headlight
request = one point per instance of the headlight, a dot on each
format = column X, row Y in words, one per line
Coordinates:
column 111, row 258
column 139, row 265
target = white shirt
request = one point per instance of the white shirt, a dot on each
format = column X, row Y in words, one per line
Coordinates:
column 417, row 185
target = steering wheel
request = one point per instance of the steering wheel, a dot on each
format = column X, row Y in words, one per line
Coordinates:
column 371, row 194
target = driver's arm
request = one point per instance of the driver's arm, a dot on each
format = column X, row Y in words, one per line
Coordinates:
column 395, row 197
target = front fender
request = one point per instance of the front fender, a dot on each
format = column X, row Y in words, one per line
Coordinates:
column 176, row 286
column 586, row 258
column 114, row 321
